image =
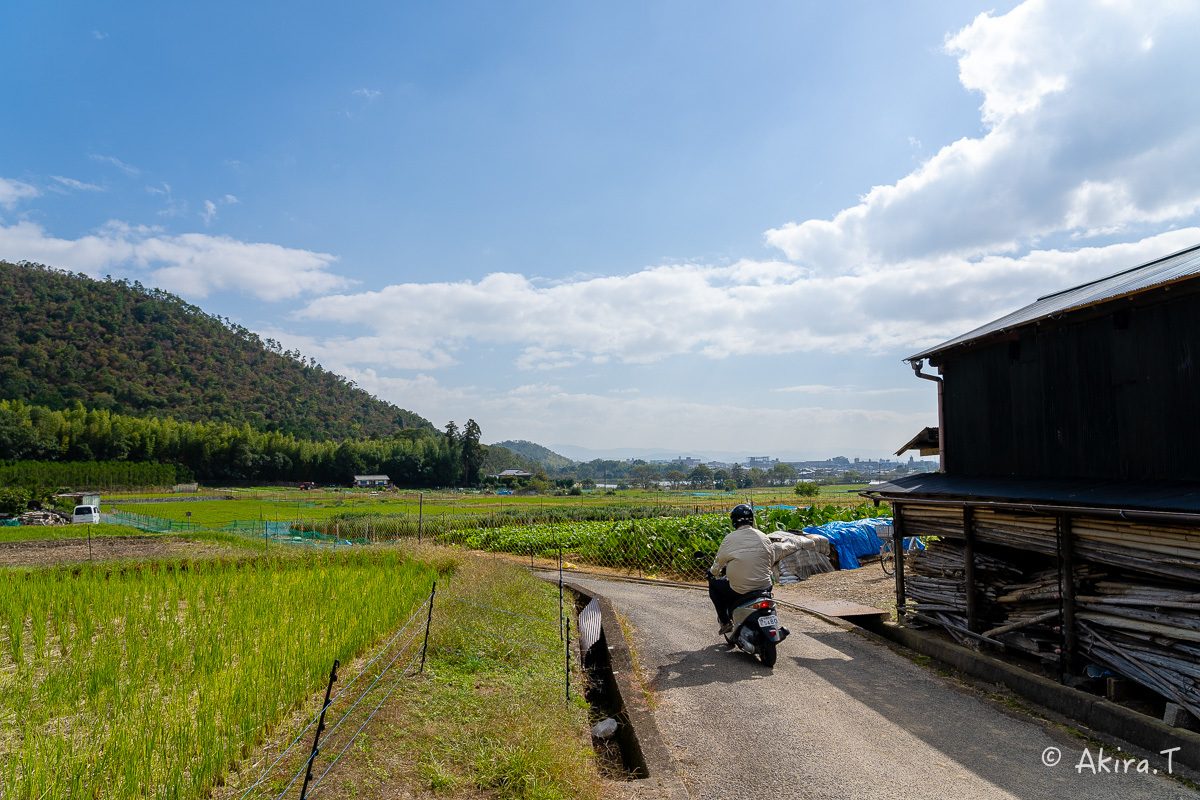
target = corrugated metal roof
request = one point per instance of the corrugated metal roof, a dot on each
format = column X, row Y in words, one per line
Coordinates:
column 1183, row 264
column 1179, row 496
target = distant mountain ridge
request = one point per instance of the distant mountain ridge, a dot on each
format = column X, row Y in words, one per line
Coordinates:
column 67, row 338
column 535, row 452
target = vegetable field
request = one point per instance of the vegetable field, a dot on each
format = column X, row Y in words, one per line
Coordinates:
column 155, row 680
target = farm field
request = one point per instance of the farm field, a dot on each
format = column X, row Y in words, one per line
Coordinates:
column 165, row 675
column 318, row 506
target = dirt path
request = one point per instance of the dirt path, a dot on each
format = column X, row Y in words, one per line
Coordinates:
column 841, row 716
column 49, row 552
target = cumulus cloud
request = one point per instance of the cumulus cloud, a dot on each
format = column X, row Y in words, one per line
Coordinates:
column 191, row 264
column 744, row 309
column 13, row 191
column 1090, row 130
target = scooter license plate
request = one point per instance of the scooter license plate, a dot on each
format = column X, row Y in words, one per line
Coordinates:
column 763, row 622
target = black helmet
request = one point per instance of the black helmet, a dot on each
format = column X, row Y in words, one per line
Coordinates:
column 741, row 514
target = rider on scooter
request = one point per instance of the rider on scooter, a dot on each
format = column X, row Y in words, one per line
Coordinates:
column 747, row 557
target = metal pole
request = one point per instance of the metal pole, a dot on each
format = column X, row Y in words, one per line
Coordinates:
column 560, row 595
column 428, row 624
column 567, row 651
column 90, row 544
column 316, row 750
column 420, row 516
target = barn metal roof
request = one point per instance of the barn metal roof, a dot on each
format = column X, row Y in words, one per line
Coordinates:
column 1168, row 269
column 1177, row 496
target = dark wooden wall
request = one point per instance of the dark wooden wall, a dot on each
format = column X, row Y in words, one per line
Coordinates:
column 1115, row 396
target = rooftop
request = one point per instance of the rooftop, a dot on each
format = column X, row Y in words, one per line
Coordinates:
column 1161, row 271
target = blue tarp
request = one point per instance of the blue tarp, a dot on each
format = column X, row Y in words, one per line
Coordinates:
column 854, row 539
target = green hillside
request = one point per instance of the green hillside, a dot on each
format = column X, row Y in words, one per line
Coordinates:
column 67, row 338
column 549, row 459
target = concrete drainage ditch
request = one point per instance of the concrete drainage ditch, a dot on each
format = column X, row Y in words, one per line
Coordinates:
column 636, row 752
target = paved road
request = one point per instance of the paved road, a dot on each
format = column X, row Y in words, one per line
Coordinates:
column 841, row 716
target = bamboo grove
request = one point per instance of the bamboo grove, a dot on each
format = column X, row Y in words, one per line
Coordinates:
column 415, row 457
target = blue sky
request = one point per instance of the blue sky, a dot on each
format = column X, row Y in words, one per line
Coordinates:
column 691, row 227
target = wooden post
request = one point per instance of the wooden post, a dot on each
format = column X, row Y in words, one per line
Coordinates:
column 1066, row 567
column 969, row 568
column 898, row 549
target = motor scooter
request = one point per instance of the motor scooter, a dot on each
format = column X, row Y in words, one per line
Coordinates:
column 756, row 629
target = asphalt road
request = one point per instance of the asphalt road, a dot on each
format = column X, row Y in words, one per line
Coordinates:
column 841, row 716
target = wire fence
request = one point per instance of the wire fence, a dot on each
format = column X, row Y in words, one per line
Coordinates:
column 401, row 657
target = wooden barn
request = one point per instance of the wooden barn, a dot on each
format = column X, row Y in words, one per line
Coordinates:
column 1068, row 503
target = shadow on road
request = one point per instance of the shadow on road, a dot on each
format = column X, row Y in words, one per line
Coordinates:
column 717, row 663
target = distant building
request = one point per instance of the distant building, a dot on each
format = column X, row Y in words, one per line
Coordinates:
column 372, row 481
column 762, row 462
column 514, row 473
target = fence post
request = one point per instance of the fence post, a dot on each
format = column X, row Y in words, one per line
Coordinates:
column 560, row 595
column 567, row 651
column 428, row 624
column 320, row 727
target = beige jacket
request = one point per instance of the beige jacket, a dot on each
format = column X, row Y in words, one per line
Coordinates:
column 748, row 556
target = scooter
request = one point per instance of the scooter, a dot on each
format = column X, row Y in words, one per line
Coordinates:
column 756, row 629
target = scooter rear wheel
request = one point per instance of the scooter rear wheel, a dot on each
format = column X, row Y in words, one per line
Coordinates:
column 766, row 651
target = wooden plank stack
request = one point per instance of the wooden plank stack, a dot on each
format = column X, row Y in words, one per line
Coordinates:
column 936, row 582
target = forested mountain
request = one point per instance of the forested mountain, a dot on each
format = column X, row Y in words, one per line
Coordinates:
column 535, row 452
column 122, row 347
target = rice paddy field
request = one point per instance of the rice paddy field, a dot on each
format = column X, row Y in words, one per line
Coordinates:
column 155, row 680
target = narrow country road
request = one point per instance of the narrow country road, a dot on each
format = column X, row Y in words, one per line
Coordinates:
column 841, row 716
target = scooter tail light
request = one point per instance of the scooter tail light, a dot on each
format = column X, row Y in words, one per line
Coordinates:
column 763, row 604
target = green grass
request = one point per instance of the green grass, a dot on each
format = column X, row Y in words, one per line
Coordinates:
column 495, row 718
column 42, row 532
column 156, row 679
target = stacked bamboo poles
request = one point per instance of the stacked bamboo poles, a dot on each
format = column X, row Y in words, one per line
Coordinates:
column 1146, row 631
column 1149, row 633
column 936, row 584
column 1169, row 551
column 921, row 520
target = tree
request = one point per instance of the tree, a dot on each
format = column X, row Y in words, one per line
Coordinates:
column 783, row 474
column 807, row 489
column 700, row 477
column 730, row 484
column 472, row 453
column 675, row 476
column 644, row 475
column 719, row 477
column 587, row 484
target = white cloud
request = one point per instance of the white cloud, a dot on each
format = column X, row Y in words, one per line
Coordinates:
column 126, row 168
column 748, row 308
column 75, row 185
column 191, row 264
column 99, row 35
column 370, row 94
column 13, row 191
column 1089, row 132
column 209, row 213
column 1091, row 129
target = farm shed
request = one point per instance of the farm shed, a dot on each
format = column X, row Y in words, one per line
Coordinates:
column 1068, row 504
column 372, row 481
